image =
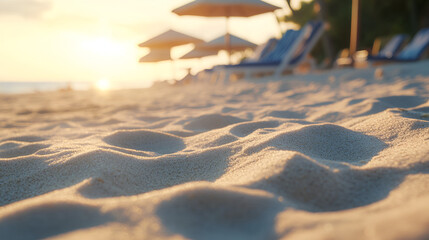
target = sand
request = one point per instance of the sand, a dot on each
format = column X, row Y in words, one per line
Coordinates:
column 341, row 154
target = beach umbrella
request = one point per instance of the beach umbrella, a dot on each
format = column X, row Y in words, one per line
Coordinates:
column 235, row 44
column 169, row 39
column 225, row 8
column 198, row 53
column 156, row 55
column 162, row 44
column 214, row 46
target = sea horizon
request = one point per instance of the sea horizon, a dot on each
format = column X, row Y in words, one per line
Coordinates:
column 23, row 87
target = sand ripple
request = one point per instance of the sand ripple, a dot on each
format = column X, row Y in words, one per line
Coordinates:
column 146, row 141
column 326, row 141
column 337, row 155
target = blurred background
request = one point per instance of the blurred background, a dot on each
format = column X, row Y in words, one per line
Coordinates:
column 82, row 44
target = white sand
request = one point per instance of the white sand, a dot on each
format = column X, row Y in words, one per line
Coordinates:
column 338, row 155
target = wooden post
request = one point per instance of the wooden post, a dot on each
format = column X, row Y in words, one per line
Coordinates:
column 173, row 69
column 354, row 35
column 228, row 40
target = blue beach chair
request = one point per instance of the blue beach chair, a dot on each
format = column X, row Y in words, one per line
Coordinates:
column 262, row 51
column 291, row 50
column 392, row 47
column 412, row 52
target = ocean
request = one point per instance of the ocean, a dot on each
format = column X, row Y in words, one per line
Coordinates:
column 32, row 87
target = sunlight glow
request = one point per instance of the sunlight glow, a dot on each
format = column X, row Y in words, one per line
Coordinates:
column 88, row 40
column 102, row 47
column 103, row 84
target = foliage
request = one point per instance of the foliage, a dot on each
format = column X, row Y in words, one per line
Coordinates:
column 379, row 18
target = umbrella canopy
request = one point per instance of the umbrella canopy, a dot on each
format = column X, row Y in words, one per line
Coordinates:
column 199, row 53
column 156, row 55
column 236, row 44
column 170, row 39
column 225, row 8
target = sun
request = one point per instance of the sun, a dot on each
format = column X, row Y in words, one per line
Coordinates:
column 103, row 84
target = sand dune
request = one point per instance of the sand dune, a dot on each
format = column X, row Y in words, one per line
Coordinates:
column 334, row 155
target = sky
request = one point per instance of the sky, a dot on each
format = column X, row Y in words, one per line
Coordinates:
column 96, row 40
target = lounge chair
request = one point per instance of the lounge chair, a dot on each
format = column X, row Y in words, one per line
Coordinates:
column 391, row 49
column 262, row 51
column 414, row 51
column 291, row 50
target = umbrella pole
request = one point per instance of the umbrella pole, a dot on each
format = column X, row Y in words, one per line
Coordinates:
column 173, row 70
column 228, row 40
column 354, row 35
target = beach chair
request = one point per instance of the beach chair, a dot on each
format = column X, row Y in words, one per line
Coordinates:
column 362, row 58
column 262, row 51
column 392, row 47
column 210, row 75
column 414, row 51
column 291, row 50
